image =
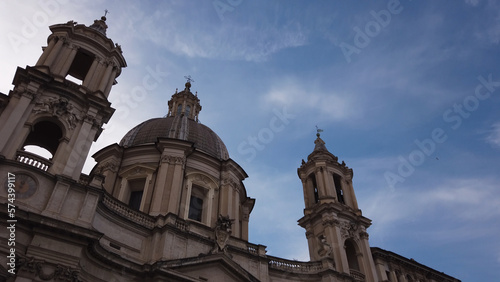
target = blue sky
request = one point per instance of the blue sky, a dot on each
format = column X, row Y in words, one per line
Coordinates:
column 407, row 93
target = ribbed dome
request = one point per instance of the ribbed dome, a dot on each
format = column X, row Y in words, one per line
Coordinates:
column 178, row 127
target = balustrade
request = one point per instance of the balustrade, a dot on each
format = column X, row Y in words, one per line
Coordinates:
column 295, row 266
column 357, row 275
column 33, row 160
column 121, row 209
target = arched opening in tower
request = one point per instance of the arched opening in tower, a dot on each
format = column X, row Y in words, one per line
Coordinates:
column 315, row 191
column 338, row 188
column 80, row 66
column 44, row 139
column 351, row 253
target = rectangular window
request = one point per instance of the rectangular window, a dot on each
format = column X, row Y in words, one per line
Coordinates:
column 195, row 208
column 136, row 187
column 135, row 200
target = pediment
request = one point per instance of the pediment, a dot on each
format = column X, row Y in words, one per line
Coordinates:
column 216, row 267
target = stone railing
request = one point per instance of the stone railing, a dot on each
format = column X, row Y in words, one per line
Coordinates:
column 294, row 266
column 357, row 275
column 253, row 249
column 182, row 224
column 33, row 160
column 133, row 215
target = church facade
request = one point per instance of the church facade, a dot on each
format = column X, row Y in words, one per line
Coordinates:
column 166, row 203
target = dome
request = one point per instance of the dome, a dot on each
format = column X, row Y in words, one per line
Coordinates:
column 177, row 127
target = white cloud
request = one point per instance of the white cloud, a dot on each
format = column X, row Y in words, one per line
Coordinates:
column 494, row 135
column 468, row 201
column 472, row 2
column 290, row 93
column 231, row 41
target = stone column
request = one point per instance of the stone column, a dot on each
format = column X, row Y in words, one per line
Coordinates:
column 305, row 192
column 16, row 111
column 320, row 181
column 69, row 60
column 54, row 53
column 66, row 57
column 236, row 231
column 332, row 231
column 81, row 142
column 46, row 52
column 89, row 78
column 176, row 175
column 369, row 265
column 110, row 82
column 161, row 187
column 106, row 77
column 393, row 276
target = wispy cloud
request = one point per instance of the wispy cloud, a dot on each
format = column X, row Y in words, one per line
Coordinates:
column 290, row 92
column 217, row 40
column 494, row 135
column 472, row 2
column 469, row 200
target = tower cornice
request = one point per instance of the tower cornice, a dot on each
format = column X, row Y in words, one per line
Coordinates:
column 338, row 211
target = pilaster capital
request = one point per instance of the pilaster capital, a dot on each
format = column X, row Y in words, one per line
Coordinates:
column 309, row 234
column 107, row 166
column 174, row 160
column 363, row 235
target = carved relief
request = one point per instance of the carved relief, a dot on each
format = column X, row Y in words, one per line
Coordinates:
column 201, row 178
column 60, row 107
column 329, row 220
column 349, row 230
column 325, row 250
column 173, row 160
column 363, row 235
column 222, row 233
column 47, row 272
column 137, row 170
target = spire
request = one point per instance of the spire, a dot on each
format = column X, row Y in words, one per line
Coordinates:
column 100, row 25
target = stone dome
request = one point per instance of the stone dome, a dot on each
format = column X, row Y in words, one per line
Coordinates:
column 177, row 127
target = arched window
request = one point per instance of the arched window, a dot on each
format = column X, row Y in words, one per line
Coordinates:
column 315, row 191
column 338, row 188
column 352, row 257
column 45, row 135
column 188, row 110
column 179, row 109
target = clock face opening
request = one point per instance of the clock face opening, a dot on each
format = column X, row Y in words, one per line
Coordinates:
column 24, row 184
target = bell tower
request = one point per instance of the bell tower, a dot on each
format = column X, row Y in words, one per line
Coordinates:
column 335, row 227
column 61, row 103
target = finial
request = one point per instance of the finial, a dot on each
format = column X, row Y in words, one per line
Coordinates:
column 105, row 13
column 188, row 83
column 318, row 131
column 189, row 79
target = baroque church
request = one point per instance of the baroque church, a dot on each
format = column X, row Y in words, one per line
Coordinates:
column 166, row 203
